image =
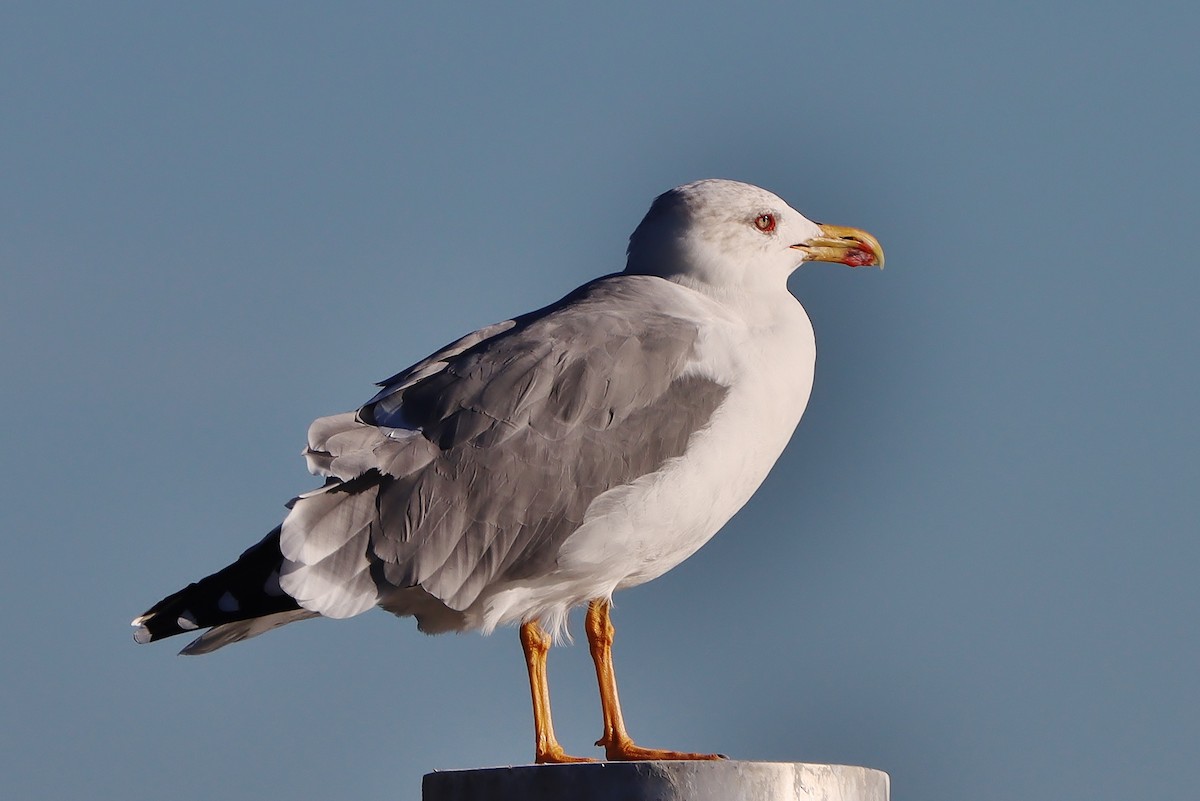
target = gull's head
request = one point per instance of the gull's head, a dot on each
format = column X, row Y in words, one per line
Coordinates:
column 730, row 236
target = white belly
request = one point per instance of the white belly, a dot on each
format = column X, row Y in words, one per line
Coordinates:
column 635, row 533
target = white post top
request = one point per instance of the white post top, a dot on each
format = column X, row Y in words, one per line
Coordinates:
column 723, row 780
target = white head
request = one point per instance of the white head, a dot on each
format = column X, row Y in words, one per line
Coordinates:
column 719, row 235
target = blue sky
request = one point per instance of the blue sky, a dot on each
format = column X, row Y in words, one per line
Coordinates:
column 975, row 565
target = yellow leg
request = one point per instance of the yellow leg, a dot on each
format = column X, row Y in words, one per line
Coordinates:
column 536, row 644
column 618, row 745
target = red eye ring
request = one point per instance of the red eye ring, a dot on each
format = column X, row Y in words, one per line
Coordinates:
column 765, row 223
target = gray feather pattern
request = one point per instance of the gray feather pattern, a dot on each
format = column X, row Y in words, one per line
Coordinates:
column 475, row 465
column 437, row 362
column 227, row 633
column 324, row 541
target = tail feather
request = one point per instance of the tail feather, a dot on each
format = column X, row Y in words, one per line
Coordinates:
column 246, row 590
column 228, row 633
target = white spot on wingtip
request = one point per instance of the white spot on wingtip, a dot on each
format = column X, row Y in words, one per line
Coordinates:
column 142, row 635
column 186, row 623
column 227, row 603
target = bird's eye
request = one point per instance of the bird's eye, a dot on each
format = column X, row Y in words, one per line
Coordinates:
column 765, row 223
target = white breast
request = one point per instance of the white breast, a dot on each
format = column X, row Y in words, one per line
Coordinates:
column 636, row 533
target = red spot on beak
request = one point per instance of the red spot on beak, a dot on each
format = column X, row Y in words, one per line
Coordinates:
column 859, row 258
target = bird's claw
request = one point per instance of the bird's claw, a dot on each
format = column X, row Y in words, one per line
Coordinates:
column 556, row 756
column 626, row 750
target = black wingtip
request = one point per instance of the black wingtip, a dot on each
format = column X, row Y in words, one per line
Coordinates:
column 248, row 588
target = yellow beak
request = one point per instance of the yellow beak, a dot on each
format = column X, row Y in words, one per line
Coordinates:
column 844, row 246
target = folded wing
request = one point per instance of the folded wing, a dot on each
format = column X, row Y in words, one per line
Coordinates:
column 472, row 467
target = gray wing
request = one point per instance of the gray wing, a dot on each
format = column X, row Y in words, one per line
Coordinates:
column 475, row 465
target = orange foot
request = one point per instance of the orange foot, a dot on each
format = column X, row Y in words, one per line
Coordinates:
column 556, row 756
column 625, row 750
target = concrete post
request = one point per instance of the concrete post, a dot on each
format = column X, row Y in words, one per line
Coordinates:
column 660, row 781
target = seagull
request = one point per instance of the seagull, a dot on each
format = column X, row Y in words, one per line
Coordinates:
column 543, row 463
